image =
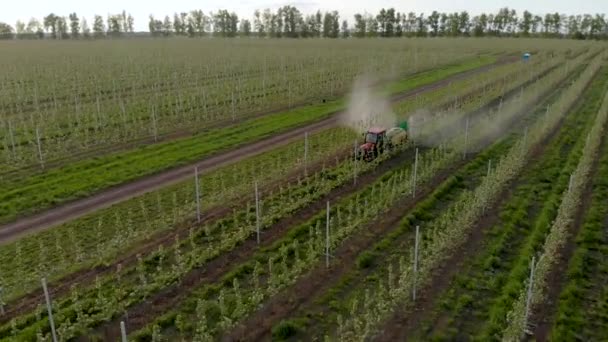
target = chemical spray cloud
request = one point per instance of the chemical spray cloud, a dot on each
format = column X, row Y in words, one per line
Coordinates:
column 432, row 129
column 367, row 107
column 450, row 127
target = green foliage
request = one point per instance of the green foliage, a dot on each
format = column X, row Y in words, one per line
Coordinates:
column 40, row 190
column 365, row 259
column 284, row 330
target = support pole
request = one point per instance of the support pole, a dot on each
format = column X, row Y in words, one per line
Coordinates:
column 1, row 303
column 466, row 139
column 327, row 237
column 416, row 262
column 233, row 108
column 415, row 173
column 305, row 154
column 530, row 287
column 39, row 147
column 123, row 331
column 49, row 309
column 10, row 131
column 525, row 136
column 570, row 182
column 355, row 164
column 154, row 123
column 489, row 167
column 198, row 195
column 257, row 212
column 97, row 118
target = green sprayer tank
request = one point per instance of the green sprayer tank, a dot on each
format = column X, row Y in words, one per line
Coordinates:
column 403, row 125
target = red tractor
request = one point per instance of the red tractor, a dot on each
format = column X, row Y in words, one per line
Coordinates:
column 379, row 139
column 373, row 145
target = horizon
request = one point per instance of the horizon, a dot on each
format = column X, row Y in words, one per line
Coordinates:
column 245, row 9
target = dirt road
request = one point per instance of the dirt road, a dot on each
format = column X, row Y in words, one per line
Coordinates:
column 117, row 194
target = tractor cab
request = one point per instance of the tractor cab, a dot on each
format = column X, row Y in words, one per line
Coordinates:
column 378, row 139
column 373, row 145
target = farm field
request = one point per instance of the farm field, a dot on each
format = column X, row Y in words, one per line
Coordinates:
column 206, row 190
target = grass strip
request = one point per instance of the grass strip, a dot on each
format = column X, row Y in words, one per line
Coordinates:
column 83, row 178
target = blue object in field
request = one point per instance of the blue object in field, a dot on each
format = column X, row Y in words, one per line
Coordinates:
column 525, row 57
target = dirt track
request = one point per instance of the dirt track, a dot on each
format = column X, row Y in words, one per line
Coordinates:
column 25, row 303
column 303, row 294
column 544, row 315
column 141, row 314
column 405, row 321
column 75, row 209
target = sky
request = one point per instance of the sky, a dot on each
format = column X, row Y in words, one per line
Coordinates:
column 141, row 9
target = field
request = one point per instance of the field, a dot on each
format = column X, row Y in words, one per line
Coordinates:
column 200, row 190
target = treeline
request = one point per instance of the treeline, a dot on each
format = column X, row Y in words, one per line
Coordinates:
column 71, row 27
column 290, row 22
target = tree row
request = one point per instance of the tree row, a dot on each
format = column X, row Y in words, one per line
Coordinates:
column 289, row 21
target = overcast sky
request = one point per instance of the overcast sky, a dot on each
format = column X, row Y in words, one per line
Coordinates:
column 140, row 9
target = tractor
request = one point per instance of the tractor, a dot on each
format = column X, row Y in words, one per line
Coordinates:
column 377, row 140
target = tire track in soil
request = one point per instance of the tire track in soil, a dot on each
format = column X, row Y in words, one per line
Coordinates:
column 168, row 136
column 310, row 287
column 544, row 315
column 119, row 193
column 146, row 140
column 166, row 238
column 62, row 286
column 140, row 316
column 405, row 321
column 320, row 279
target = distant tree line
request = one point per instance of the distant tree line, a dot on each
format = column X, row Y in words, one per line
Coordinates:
column 290, row 22
column 71, row 27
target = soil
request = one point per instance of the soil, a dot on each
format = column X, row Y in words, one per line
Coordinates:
column 257, row 327
column 544, row 315
column 318, row 281
column 69, row 211
column 223, row 123
column 142, row 313
column 62, row 286
column 405, row 321
column 165, row 238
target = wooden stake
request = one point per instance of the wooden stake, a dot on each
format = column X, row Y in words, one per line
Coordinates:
column 123, row 331
column 233, row 109
column 257, row 212
column 98, row 113
column 327, row 237
column 305, row 154
column 198, row 195
column 10, row 131
column 355, row 164
column 39, row 147
column 1, row 302
column 529, row 295
column 416, row 262
column 415, row 173
column 49, row 309
column 466, row 139
column 154, row 123
column 489, row 167
column 523, row 145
